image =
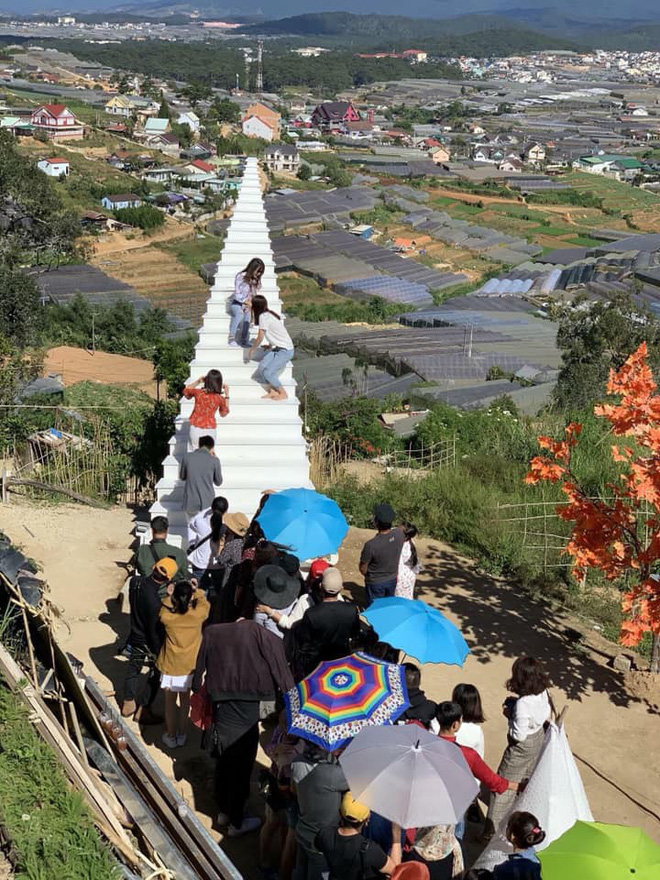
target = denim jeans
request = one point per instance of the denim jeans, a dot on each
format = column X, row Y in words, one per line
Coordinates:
column 378, row 591
column 239, row 326
column 272, row 364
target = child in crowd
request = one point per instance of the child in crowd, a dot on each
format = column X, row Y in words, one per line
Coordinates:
column 421, row 709
column 182, row 616
column 524, row 833
column 409, row 566
column 470, row 733
column 449, row 717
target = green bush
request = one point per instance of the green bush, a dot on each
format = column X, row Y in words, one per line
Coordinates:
column 48, row 824
column 145, row 217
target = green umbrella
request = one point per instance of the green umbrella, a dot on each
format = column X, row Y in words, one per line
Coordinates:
column 594, row 851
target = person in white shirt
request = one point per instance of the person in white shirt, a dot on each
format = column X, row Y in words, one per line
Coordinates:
column 205, row 540
column 280, row 347
column 470, row 733
column 528, row 713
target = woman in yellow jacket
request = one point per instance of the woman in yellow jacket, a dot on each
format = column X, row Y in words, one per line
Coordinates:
column 182, row 615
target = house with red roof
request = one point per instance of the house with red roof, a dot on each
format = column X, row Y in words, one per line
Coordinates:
column 55, row 167
column 57, row 122
column 199, row 167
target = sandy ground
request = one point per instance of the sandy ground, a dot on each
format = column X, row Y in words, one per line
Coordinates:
column 79, row 365
column 612, row 720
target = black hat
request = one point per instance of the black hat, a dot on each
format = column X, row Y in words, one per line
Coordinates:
column 290, row 563
column 274, row 587
column 384, row 514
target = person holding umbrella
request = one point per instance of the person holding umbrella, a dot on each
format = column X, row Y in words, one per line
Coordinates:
column 277, row 590
column 349, row 854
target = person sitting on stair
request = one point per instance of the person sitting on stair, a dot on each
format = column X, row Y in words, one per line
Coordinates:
column 246, row 285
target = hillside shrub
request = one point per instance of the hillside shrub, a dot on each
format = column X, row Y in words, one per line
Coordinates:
column 146, row 217
column 47, row 822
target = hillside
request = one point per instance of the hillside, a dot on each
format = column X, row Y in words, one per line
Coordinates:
column 487, row 35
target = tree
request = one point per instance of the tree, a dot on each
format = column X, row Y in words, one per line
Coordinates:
column 164, row 111
column 618, row 535
column 19, row 306
column 304, row 172
column 595, row 338
column 195, row 92
column 225, row 111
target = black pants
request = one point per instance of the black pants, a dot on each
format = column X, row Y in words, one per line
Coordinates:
column 233, row 770
column 440, row 870
column 140, row 657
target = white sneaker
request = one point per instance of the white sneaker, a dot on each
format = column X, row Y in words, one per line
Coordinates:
column 233, row 344
column 250, row 823
column 181, row 739
column 222, row 819
column 170, row 741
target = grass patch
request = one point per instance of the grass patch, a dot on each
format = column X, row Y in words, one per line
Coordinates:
column 550, row 230
column 47, row 822
column 303, row 298
column 193, row 252
column 586, row 241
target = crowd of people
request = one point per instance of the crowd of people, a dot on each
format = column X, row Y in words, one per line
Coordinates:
column 236, row 623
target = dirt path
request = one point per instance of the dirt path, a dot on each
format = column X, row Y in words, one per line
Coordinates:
column 119, row 242
column 612, row 720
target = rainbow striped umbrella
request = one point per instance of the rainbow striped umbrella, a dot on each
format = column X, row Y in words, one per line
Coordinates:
column 340, row 697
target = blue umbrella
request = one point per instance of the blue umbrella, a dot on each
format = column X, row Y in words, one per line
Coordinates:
column 309, row 523
column 418, row 630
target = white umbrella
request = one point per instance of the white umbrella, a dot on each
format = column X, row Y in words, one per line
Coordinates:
column 409, row 776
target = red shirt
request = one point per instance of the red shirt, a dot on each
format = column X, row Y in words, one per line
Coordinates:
column 480, row 769
column 206, row 403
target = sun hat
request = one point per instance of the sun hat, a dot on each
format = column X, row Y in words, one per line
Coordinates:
column 317, row 568
column 274, row 587
column 290, row 563
column 238, row 523
column 166, row 568
column 332, row 581
column 354, row 810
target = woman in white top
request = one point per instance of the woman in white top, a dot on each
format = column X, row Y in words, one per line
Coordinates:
column 409, row 566
column 246, row 285
column 205, row 541
column 279, row 343
column 470, row 732
column 528, row 713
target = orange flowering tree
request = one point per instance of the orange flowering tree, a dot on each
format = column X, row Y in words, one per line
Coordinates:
column 618, row 535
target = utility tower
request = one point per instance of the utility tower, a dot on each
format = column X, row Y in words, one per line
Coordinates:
column 247, row 71
column 260, row 66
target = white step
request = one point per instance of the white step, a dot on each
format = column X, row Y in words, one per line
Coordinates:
column 261, row 432
column 243, row 456
column 248, row 476
column 249, row 392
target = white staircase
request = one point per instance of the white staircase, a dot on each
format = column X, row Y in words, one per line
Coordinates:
column 260, row 443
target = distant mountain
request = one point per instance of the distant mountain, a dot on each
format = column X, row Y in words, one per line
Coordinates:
column 487, row 34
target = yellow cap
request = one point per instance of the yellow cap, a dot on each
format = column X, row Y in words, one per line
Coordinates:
column 166, row 568
column 353, row 810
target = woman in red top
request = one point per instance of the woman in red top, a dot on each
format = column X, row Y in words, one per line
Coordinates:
column 212, row 397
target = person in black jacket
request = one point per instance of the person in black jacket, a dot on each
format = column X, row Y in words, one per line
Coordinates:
column 421, row 709
column 327, row 629
column 146, row 638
